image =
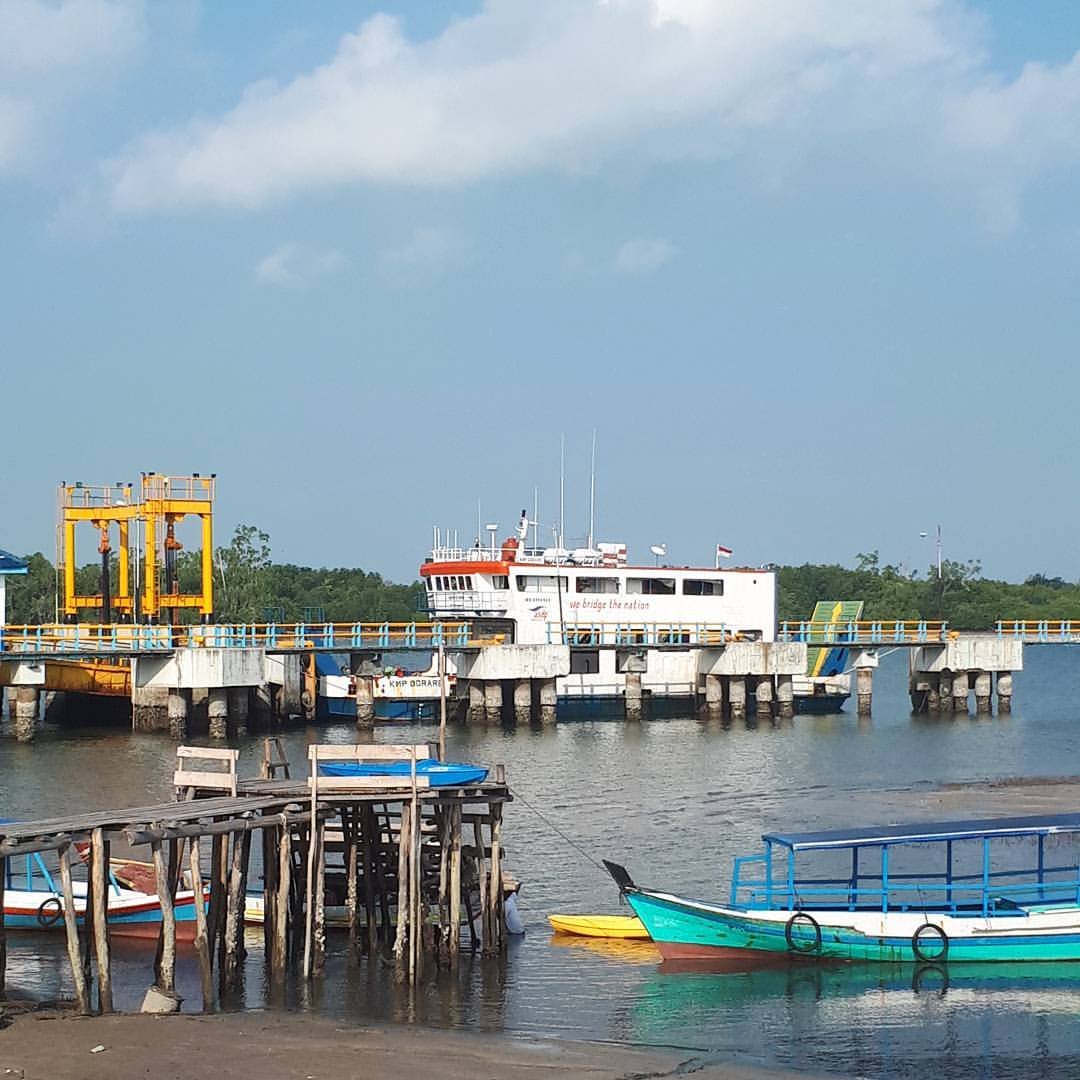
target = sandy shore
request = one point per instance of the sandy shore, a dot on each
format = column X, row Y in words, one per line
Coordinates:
column 290, row 1046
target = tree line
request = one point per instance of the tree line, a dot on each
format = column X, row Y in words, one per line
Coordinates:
column 250, row 587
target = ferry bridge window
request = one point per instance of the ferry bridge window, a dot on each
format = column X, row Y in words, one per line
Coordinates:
column 597, row 585
column 650, row 586
column 701, row 587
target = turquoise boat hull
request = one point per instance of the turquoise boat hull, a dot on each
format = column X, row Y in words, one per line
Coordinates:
column 687, row 930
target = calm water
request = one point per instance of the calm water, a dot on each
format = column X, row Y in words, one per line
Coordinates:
column 674, row 800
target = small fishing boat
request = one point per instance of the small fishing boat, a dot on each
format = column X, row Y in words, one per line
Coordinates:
column 958, row 891
column 600, row 926
column 438, row 773
column 33, row 901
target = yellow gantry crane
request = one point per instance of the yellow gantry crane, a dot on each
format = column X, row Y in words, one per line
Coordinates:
column 161, row 502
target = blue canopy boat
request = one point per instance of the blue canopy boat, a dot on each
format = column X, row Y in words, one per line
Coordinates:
column 985, row 890
column 438, row 773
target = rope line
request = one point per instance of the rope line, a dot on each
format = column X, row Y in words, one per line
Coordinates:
column 555, row 828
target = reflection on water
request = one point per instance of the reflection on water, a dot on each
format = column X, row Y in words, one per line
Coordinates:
column 673, row 800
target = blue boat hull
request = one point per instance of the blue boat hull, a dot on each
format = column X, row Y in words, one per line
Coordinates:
column 438, row 773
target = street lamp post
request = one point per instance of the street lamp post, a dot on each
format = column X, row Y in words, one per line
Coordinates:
column 940, row 578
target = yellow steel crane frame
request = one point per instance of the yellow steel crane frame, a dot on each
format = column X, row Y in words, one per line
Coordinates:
column 163, row 501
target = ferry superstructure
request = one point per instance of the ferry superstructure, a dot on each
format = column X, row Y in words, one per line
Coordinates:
column 604, row 606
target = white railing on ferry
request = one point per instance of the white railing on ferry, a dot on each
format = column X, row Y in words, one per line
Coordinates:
column 484, row 554
column 468, row 601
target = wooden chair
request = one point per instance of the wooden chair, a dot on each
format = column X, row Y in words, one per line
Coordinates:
column 192, row 775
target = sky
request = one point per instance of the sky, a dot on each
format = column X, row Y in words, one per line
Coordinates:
column 809, row 268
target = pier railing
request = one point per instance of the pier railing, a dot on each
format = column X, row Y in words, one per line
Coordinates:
column 655, row 634
column 863, row 632
column 1040, row 631
column 135, row 638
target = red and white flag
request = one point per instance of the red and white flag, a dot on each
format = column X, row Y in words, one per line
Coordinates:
column 722, row 553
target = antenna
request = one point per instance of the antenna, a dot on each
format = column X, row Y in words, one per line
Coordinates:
column 536, row 517
column 659, row 550
column 592, row 492
column 562, row 486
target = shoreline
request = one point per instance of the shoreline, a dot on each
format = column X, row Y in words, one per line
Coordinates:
column 294, row 1046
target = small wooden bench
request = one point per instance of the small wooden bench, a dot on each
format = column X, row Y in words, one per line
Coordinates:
column 192, row 775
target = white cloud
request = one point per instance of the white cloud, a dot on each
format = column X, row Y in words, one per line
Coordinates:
column 570, row 85
column 293, row 265
column 643, row 256
column 427, row 251
column 48, row 53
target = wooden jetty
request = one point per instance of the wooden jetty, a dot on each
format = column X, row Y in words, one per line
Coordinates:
column 402, row 859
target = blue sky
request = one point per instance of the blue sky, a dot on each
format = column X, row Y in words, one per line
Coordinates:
column 810, row 268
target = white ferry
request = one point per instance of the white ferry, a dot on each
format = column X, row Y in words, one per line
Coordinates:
column 610, row 610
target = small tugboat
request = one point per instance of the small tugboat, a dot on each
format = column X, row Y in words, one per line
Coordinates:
column 958, row 891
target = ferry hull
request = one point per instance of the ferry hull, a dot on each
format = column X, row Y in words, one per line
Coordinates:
column 691, row 930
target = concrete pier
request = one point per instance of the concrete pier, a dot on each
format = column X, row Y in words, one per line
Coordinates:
column 983, row 685
column 475, row 713
column 522, row 700
column 960, row 689
column 549, row 699
column 149, row 708
column 238, row 709
column 945, row 691
column 1004, row 691
column 27, row 705
column 785, row 697
column 764, row 696
column 714, row 694
column 864, row 690
column 493, row 701
column 632, row 698
column 179, row 706
column 217, row 712
column 365, row 701
column 736, row 696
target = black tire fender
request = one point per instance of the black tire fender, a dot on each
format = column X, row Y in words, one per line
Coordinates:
column 923, row 936
column 802, row 918
column 50, row 911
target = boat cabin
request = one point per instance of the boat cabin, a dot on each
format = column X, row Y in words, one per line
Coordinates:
column 994, row 867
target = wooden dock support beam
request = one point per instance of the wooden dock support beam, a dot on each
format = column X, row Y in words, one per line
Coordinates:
column 202, row 944
column 166, row 976
column 99, row 898
column 78, row 974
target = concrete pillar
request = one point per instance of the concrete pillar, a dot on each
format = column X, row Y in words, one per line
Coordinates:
column 238, row 709
column 27, row 703
column 960, row 687
column 1005, row 691
column 493, row 701
column 217, row 711
column 149, row 708
column 365, row 701
column 737, row 697
column 523, row 700
column 262, row 704
column 764, row 694
column 785, row 696
column 179, row 705
column 549, row 699
column 199, row 706
column 933, row 698
column 475, row 712
column 864, row 690
column 983, row 683
column 945, row 685
column 632, row 695
column 714, row 693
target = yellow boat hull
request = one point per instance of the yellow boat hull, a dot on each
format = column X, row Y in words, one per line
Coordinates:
column 600, row 926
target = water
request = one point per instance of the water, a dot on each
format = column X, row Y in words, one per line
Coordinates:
column 674, row 800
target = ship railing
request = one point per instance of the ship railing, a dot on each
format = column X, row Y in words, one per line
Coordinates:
column 630, row 634
column 863, row 631
column 999, row 893
column 498, row 600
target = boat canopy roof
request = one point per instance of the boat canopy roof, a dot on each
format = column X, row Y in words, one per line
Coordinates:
column 927, row 832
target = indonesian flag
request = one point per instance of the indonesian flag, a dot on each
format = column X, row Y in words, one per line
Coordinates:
column 722, row 553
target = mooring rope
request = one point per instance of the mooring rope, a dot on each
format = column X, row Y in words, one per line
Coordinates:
column 555, row 828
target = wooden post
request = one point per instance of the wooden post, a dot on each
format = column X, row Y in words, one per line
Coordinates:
column 174, row 884
column 215, row 916
column 99, row 854
column 234, row 915
column 318, row 922
column 86, row 949
column 166, row 979
column 71, row 929
column 443, row 815
column 269, row 861
column 350, row 831
column 442, row 700
column 455, row 881
column 367, row 826
column 481, row 874
column 416, row 915
column 280, row 954
column 202, row 945
column 498, row 910
column 404, row 836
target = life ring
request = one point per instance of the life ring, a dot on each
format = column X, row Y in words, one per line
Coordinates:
column 48, row 914
column 802, row 918
column 918, row 939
